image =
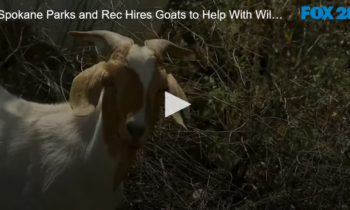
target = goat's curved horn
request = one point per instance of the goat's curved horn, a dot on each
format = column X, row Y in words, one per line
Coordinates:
column 113, row 40
column 164, row 46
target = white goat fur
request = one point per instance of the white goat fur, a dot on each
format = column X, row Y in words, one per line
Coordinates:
column 50, row 158
column 53, row 158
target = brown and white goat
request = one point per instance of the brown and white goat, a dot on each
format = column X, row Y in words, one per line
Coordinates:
column 75, row 155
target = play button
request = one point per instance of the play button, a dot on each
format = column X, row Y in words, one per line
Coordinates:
column 174, row 104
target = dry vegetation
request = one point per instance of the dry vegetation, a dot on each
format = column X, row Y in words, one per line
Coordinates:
column 270, row 112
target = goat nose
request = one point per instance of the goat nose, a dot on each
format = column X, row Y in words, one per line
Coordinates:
column 135, row 129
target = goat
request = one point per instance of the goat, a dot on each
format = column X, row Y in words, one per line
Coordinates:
column 75, row 155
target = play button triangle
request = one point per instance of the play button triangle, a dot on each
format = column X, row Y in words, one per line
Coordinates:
column 174, row 104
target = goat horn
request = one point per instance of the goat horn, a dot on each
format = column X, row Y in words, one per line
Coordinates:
column 165, row 46
column 112, row 39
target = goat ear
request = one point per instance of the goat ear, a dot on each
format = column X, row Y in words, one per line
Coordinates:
column 164, row 46
column 183, row 116
column 86, row 89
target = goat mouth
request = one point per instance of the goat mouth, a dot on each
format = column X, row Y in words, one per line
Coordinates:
column 133, row 143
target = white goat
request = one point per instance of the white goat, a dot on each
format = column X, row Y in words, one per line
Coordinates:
column 75, row 155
